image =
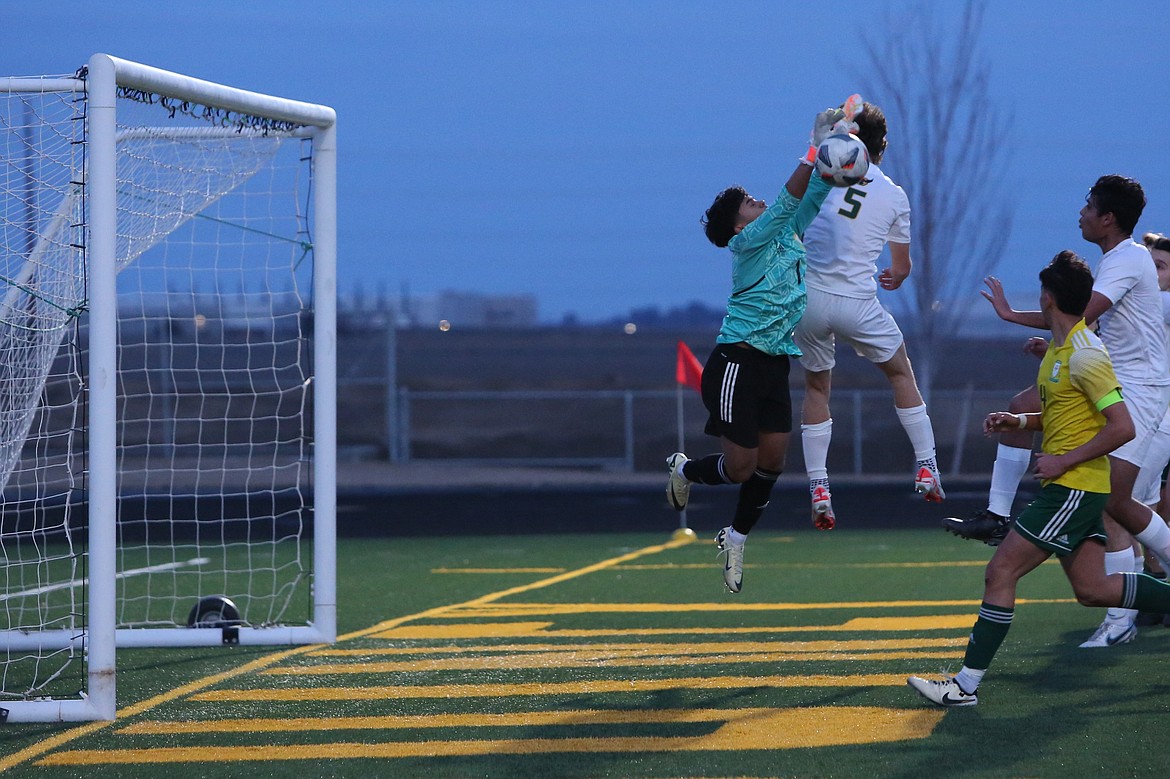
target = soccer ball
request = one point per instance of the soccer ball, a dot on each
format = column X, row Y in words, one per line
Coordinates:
column 842, row 160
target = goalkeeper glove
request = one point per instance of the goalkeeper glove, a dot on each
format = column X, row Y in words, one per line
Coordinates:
column 822, row 128
column 823, row 125
column 846, row 125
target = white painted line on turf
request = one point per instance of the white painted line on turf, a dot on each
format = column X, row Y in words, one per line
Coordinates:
column 195, row 561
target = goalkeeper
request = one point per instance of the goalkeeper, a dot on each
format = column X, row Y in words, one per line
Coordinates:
column 745, row 380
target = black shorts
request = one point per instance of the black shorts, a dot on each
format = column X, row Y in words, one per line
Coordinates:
column 746, row 393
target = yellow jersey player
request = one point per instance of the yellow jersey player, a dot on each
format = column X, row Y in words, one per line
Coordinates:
column 1083, row 418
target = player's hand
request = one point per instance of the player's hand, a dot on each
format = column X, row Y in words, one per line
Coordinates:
column 850, row 110
column 1050, row 466
column 823, row 125
column 1001, row 422
column 998, row 299
column 844, row 127
column 1036, row 346
column 888, row 279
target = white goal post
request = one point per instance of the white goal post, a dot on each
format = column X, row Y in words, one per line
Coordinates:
column 167, row 376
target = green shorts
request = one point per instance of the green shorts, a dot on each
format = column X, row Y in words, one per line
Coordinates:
column 1060, row 518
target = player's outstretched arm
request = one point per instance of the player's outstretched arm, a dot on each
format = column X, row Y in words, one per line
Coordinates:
column 1004, row 309
column 822, row 128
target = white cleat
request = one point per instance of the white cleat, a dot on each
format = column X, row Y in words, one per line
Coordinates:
column 945, row 692
column 678, row 489
column 732, row 560
column 1111, row 634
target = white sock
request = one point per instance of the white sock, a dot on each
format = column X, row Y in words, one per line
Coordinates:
column 1120, row 561
column 1011, row 463
column 736, row 537
column 1156, row 538
column 916, row 423
column 968, row 679
column 814, row 439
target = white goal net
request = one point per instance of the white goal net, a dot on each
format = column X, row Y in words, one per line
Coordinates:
column 202, row 511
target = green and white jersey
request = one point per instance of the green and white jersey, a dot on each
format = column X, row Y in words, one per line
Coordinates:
column 1132, row 328
column 848, row 235
column 767, row 274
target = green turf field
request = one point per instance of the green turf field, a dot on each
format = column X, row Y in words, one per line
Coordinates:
column 622, row 656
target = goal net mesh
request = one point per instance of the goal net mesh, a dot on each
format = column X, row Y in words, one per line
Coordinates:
column 214, row 253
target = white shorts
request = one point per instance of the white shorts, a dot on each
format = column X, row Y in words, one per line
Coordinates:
column 1147, row 404
column 1148, row 487
column 860, row 322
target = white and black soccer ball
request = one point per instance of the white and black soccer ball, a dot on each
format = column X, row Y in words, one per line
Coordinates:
column 842, row 160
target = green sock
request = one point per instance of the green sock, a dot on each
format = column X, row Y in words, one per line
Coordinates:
column 1145, row 593
column 989, row 632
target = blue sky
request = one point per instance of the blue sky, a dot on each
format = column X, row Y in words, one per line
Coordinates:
column 566, row 149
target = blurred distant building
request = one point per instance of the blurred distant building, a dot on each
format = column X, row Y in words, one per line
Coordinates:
column 459, row 309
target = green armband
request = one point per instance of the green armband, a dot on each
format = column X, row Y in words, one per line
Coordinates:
column 1108, row 400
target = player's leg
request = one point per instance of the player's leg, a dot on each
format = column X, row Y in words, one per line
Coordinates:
column 915, row 421
column 765, row 465
column 815, row 337
column 816, row 432
column 874, row 334
column 1118, row 558
column 1012, row 459
column 1150, row 490
column 1094, row 588
column 721, row 372
column 1126, row 517
column 1132, row 517
column 1013, row 559
column 750, row 409
column 774, row 416
column 738, row 460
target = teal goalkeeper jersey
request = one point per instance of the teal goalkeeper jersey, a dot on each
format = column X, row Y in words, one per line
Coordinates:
column 767, row 273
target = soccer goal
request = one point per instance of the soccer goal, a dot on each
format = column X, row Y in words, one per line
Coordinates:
column 167, row 376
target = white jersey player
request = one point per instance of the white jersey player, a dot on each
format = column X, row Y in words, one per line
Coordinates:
column 843, row 244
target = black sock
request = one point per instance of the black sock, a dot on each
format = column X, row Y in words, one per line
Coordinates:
column 753, row 499
column 707, row 470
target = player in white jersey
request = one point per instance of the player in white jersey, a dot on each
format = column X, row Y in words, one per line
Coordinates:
column 1126, row 308
column 843, row 245
column 1149, row 488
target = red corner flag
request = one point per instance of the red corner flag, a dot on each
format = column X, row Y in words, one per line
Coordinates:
column 687, row 369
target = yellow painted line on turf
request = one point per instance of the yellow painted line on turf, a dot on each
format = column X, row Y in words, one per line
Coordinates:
column 497, row 570
column 60, row 739
column 540, row 630
column 542, row 609
column 72, row 734
column 604, row 658
column 763, row 729
column 773, row 566
column 646, row 647
column 574, row 718
column 592, row 686
column 803, row 566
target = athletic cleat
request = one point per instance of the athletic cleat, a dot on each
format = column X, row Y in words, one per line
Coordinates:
column 945, row 692
column 984, row 525
column 678, row 489
column 1111, row 634
column 928, row 484
column 732, row 560
column 823, row 517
